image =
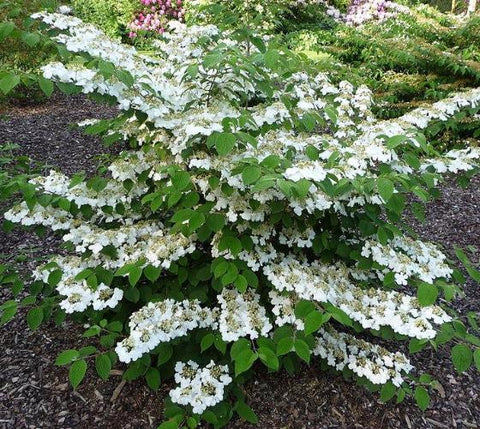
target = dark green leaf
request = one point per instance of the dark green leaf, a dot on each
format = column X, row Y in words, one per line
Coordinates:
column 77, row 372
column 422, row 398
column 427, row 294
column 461, row 357
column 245, row 412
column 153, row 378
column 66, row 357
column 303, row 350
column 34, row 317
column 103, row 365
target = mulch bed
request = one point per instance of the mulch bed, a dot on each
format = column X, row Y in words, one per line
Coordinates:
column 34, row 393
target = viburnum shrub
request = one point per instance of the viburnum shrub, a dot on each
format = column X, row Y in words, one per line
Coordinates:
column 256, row 219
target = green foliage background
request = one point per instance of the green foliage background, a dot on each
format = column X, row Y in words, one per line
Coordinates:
column 112, row 16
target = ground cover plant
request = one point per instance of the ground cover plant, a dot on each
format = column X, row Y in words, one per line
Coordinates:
column 257, row 218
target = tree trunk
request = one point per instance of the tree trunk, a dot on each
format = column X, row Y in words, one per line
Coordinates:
column 454, row 5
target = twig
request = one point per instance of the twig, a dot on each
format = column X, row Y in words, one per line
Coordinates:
column 117, row 391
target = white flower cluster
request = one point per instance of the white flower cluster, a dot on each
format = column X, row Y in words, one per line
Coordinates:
column 241, row 315
column 454, row 161
column 160, row 322
column 284, row 309
column 293, row 237
column 88, row 236
column 143, row 243
column 415, row 259
column 79, row 294
column 131, row 164
column 367, row 360
column 113, row 194
column 200, row 387
column 54, row 218
column 372, row 308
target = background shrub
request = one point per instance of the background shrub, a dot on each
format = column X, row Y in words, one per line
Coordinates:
column 112, row 16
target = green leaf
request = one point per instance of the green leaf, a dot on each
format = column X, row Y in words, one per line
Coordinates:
column 271, row 161
column 387, row 392
column 97, row 183
column 303, row 308
column 245, row 412
column 228, row 242
column 416, row 345
column 124, row 77
column 395, row 141
column 8, row 82
column 244, row 361
column 427, row 294
column 238, row 347
column 241, row 283
column 338, row 314
column 231, row 275
column 31, row 39
column 115, row 326
column 220, row 269
column 132, row 294
column 77, row 372
column 269, row 358
column 216, row 222
column 153, row 378
column 181, row 180
column 67, row 356
column 332, row 114
column 220, row 345
column 314, row 320
column 46, row 86
column 134, row 275
column 134, row 371
column 170, row 424
column 385, row 188
column 251, row 174
column 54, row 277
column 271, row 58
column 192, row 422
column 303, row 350
column 285, row 345
column 206, row 342
column 152, row 273
column 6, row 29
column 223, row 142
column 87, row 351
column 461, row 357
column 422, row 397
column 9, row 310
column 165, row 352
column 412, row 160
column 476, row 358
column 103, row 365
column 34, row 317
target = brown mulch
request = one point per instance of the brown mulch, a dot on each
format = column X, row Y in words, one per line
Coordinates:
column 34, row 393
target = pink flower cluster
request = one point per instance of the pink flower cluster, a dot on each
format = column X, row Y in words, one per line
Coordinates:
column 155, row 15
